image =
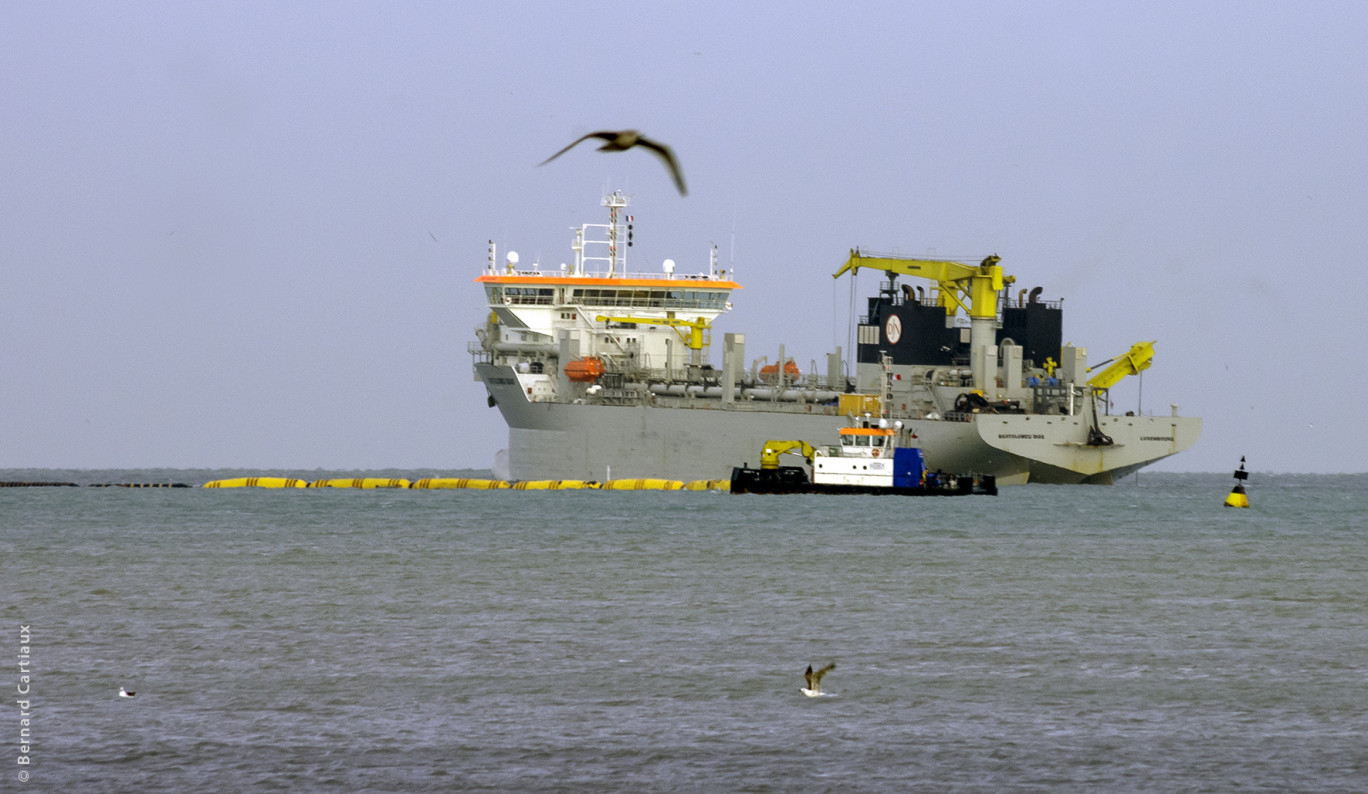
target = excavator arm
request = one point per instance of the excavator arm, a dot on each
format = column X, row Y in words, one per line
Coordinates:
column 769, row 458
column 1132, row 362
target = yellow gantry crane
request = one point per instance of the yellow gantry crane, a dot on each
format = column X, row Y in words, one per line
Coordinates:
column 975, row 289
column 961, row 286
column 972, row 288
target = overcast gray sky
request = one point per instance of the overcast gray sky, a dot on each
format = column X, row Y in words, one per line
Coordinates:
column 244, row 234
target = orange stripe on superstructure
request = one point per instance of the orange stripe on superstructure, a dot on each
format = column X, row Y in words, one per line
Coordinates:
column 589, row 281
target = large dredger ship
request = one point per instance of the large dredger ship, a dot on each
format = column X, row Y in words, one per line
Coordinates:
column 600, row 372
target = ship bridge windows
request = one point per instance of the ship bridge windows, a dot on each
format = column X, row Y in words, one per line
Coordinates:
column 524, row 296
column 675, row 299
column 865, row 440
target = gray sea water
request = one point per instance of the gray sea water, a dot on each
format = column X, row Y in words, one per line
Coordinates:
column 1139, row 637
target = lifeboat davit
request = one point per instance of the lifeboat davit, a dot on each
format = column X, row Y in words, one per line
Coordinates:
column 584, row 370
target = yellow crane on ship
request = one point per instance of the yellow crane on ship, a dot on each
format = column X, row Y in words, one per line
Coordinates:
column 969, row 287
column 975, row 289
column 972, row 288
column 1132, row 362
column 695, row 339
column 769, row 457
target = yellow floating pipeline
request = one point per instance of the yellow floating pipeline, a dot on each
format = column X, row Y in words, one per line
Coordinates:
column 258, row 482
column 709, row 485
column 643, row 485
column 556, row 485
column 436, row 483
column 360, row 482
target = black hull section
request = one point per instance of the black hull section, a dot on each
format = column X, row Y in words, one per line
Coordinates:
column 794, row 480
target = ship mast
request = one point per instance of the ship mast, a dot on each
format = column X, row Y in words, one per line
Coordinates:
column 617, row 255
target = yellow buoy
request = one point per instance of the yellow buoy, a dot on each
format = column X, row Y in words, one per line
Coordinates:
column 445, row 483
column 360, row 482
column 1238, row 497
column 257, row 482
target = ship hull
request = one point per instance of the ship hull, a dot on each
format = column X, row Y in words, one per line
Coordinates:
column 552, row 440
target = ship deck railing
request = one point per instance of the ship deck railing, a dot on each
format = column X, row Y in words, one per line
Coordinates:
column 624, row 302
column 929, row 298
column 758, row 406
column 666, row 304
column 602, row 274
column 767, row 406
column 477, row 350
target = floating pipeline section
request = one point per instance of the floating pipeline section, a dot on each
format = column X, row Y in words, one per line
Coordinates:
column 139, row 485
column 708, row 485
column 429, row 483
column 452, row 483
column 643, row 485
column 257, row 482
column 556, row 485
column 364, row 483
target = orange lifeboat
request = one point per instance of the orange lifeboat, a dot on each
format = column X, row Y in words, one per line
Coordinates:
column 584, row 370
column 770, row 372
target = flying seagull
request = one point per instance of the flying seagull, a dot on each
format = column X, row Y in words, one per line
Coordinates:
column 814, row 680
column 124, row 693
column 624, row 140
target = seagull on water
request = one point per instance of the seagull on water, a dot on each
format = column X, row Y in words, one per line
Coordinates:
column 622, row 141
column 124, row 693
column 814, row 680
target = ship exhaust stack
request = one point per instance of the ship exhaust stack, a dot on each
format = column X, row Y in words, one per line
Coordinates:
column 1237, row 497
column 835, row 371
column 733, row 360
